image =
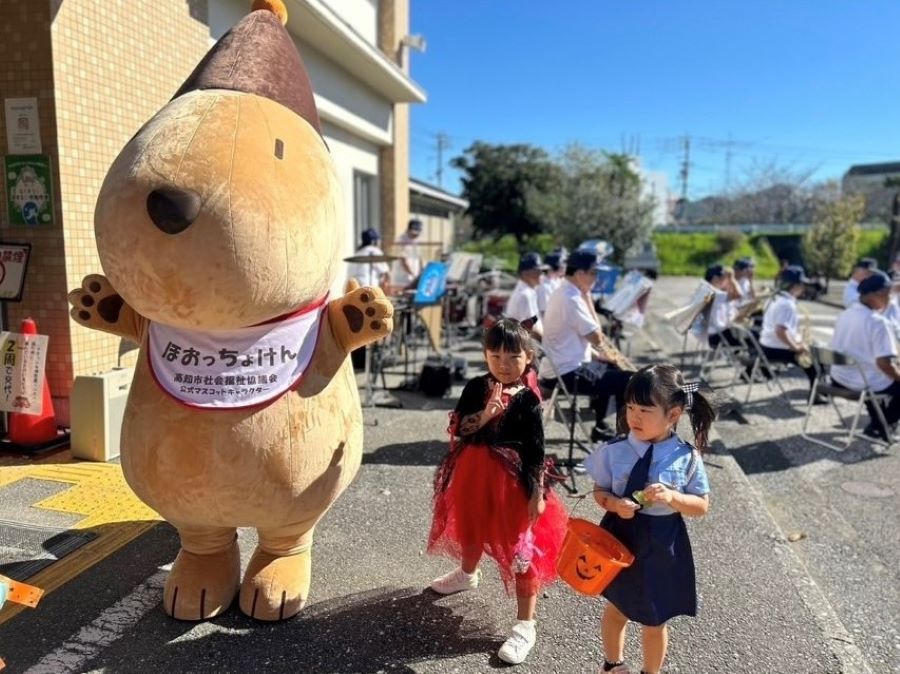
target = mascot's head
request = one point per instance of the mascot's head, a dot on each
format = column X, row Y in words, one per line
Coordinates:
column 224, row 210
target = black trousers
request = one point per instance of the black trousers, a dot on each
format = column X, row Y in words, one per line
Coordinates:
column 788, row 356
column 891, row 410
column 601, row 382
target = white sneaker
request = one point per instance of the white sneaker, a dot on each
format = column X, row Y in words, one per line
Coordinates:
column 456, row 581
column 515, row 649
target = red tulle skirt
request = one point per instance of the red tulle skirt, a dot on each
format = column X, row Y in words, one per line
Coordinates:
column 484, row 507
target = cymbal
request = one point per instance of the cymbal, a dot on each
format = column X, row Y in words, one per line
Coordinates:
column 371, row 259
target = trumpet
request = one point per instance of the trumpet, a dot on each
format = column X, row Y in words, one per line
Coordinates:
column 751, row 307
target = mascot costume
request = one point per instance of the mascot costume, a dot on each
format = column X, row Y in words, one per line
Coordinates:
column 220, row 232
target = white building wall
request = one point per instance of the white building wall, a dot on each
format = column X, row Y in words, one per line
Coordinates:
column 350, row 154
column 361, row 15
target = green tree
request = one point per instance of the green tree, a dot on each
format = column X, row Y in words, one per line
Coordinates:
column 598, row 196
column 829, row 246
column 502, row 184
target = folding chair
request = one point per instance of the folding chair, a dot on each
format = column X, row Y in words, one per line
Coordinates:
column 555, row 398
column 756, row 361
column 823, row 359
column 731, row 353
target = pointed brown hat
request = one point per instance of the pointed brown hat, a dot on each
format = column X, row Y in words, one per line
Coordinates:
column 258, row 56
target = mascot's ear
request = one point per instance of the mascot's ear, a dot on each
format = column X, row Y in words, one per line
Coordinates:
column 258, row 56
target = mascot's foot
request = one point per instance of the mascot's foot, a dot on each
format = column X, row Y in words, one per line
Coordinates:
column 275, row 588
column 202, row 586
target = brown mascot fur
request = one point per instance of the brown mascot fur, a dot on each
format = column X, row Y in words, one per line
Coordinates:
column 222, row 215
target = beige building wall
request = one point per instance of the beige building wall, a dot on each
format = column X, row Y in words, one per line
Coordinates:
column 393, row 25
column 98, row 76
column 114, row 69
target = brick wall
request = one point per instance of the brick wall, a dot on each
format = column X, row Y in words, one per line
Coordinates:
column 99, row 72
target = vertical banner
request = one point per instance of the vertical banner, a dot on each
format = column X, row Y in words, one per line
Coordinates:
column 29, row 189
column 22, row 372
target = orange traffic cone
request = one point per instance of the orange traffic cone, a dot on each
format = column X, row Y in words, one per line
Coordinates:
column 28, row 430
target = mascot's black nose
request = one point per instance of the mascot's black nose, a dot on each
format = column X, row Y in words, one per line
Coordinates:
column 173, row 209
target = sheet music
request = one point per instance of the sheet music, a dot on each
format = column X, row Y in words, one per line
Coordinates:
column 683, row 317
column 623, row 302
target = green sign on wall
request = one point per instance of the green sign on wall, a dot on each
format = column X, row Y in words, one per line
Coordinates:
column 29, row 189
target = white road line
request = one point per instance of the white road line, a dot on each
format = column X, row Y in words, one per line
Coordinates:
column 109, row 626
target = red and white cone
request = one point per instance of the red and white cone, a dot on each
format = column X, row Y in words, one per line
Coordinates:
column 29, row 430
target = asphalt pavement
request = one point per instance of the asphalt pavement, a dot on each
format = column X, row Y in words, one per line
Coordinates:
column 796, row 568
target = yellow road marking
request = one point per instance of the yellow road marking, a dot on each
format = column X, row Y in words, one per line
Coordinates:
column 100, row 493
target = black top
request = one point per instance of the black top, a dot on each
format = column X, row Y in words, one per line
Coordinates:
column 520, row 427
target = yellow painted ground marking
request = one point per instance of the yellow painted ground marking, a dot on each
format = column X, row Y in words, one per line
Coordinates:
column 100, row 493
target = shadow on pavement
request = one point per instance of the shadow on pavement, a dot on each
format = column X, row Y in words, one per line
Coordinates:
column 381, row 630
column 425, row 453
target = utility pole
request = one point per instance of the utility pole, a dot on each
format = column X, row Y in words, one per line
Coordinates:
column 443, row 143
column 685, row 168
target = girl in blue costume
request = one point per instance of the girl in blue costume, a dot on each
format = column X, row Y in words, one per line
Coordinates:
column 647, row 482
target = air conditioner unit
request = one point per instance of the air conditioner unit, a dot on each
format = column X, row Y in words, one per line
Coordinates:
column 97, row 406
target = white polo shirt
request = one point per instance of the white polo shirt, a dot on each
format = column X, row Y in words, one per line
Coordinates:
column 721, row 313
column 864, row 335
column 523, row 304
column 782, row 311
column 567, row 323
column 851, row 292
column 546, row 287
column 407, row 247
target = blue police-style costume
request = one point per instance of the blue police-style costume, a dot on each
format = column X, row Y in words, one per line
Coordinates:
column 660, row 584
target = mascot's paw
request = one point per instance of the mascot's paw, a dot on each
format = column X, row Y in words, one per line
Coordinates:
column 202, row 586
column 96, row 304
column 361, row 316
column 275, row 588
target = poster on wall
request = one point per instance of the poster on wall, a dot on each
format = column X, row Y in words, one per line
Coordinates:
column 29, row 190
column 13, row 265
column 22, row 372
column 23, row 127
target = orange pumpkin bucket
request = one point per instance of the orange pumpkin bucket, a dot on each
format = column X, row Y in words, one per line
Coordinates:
column 591, row 557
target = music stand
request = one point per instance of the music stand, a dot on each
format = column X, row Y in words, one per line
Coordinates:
column 369, row 399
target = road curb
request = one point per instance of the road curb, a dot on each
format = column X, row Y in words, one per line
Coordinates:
column 840, row 642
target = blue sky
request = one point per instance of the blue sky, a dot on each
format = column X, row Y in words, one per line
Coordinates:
column 807, row 84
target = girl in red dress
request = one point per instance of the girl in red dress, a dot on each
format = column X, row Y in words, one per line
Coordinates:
column 490, row 495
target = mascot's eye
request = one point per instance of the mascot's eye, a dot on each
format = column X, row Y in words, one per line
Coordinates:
column 279, row 148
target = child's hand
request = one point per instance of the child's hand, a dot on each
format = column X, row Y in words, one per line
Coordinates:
column 536, row 506
column 625, row 508
column 659, row 493
column 495, row 403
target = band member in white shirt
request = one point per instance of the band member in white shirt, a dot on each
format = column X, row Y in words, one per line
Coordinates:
column 865, row 334
column 861, row 270
column 575, row 343
column 523, row 303
column 553, row 277
column 375, row 274
column 409, row 266
column 744, row 268
column 780, row 337
column 723, row 307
